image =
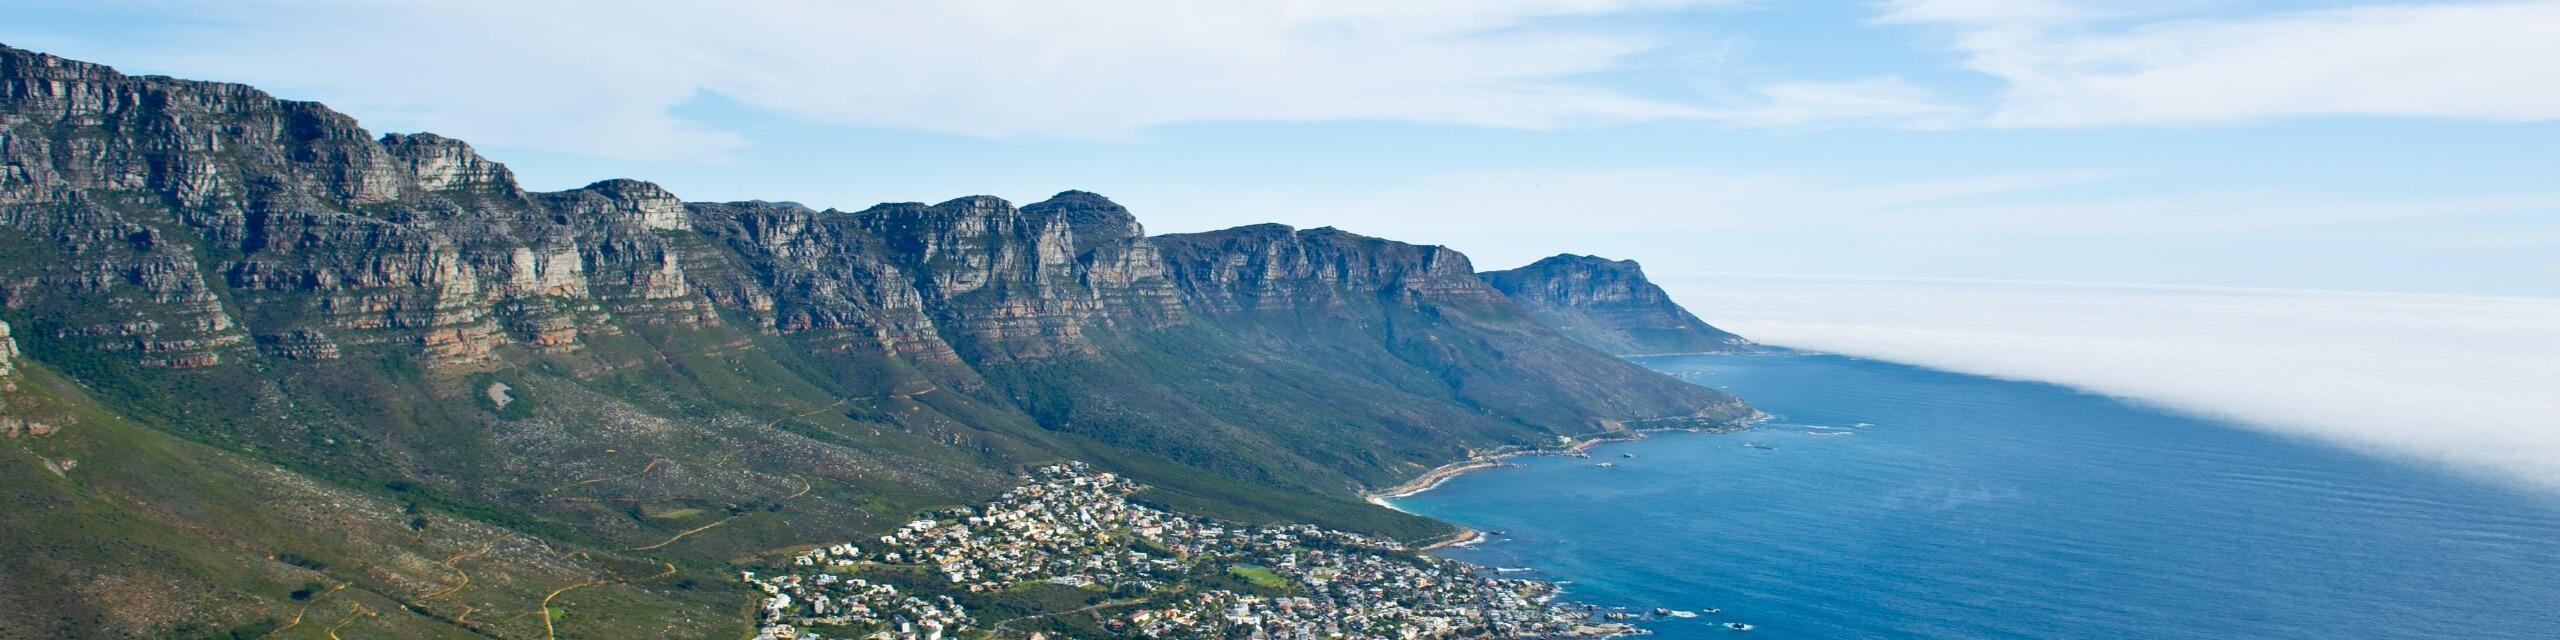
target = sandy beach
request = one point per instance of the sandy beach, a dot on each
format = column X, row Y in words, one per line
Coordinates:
column 1578, row 444
column 1487, row 460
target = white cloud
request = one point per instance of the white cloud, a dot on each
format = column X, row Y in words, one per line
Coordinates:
column 2067, row 64
column 2464, row 381
column 1983, row 11
column 605, row 78
column 1887, row 100
column 602, row 77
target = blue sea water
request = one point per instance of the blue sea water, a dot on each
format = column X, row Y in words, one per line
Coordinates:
column 1970, row 507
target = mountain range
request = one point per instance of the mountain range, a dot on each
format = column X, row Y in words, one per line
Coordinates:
column 262, row 370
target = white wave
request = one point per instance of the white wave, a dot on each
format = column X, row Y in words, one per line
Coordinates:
column 2468, row 381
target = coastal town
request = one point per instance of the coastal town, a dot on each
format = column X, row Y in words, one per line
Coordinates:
column 1139, row 572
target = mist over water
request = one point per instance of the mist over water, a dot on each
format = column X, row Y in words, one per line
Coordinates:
column 1893, row 501
column 2464, row 381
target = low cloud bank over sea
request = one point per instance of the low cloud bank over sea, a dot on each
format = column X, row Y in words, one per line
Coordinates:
column 2470, row 382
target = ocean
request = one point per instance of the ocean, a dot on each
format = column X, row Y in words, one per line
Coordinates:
column 1889, row 501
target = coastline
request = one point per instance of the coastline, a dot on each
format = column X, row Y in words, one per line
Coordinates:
column 1571, row 445
column 1432, row 479
column 1464, row 537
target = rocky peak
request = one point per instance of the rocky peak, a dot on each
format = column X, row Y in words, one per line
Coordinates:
column 968, row 240
column 628, row 201
column 1609, row 304
column 1078, row 197
column 442, row 164
column 1096, row 220
column 1027, row 282
column 1584, row 261
column 166, row 132
column 975, row 205
column 1107, row 240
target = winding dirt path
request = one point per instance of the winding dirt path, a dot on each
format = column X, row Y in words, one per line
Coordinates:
column 545, row 607
column 354, row 612
column 454, row 563
column 306, row 608
column 727, row 458
column 644, row 470
column 548, row 630
column 687, row 532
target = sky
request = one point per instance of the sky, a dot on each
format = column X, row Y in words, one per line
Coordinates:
column 2298, row 164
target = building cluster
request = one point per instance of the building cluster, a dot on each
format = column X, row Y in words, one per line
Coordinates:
column 1355, row 594
column 1068, row 524
column 793, row 602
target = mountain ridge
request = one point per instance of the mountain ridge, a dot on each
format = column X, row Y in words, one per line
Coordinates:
column 225, row 302
column 1610, row 305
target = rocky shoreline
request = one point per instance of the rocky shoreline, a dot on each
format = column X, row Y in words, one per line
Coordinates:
column 1499, row 458
column 1578, row 444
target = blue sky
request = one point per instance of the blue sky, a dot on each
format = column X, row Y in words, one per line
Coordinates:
column 2283, row 144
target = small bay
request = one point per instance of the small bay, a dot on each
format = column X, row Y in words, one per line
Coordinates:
column 1888, row 501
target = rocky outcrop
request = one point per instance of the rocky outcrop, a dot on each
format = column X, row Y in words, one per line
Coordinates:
column 1026, row 283
column 1272, row 267
column 629, row 202
column 1115, row 260
column 446, row 164
column 8, row 359
column 14, row 419
column 821, row 272
column 162, row 207
column 974, row 276
column 1609, row 304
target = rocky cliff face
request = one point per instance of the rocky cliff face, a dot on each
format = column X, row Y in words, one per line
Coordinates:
column 329, row 238
column 1027, row 283
column 974, row 276
column 444, row 164
column 164, row 209
column 1609, row 304
column 1274, row 267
